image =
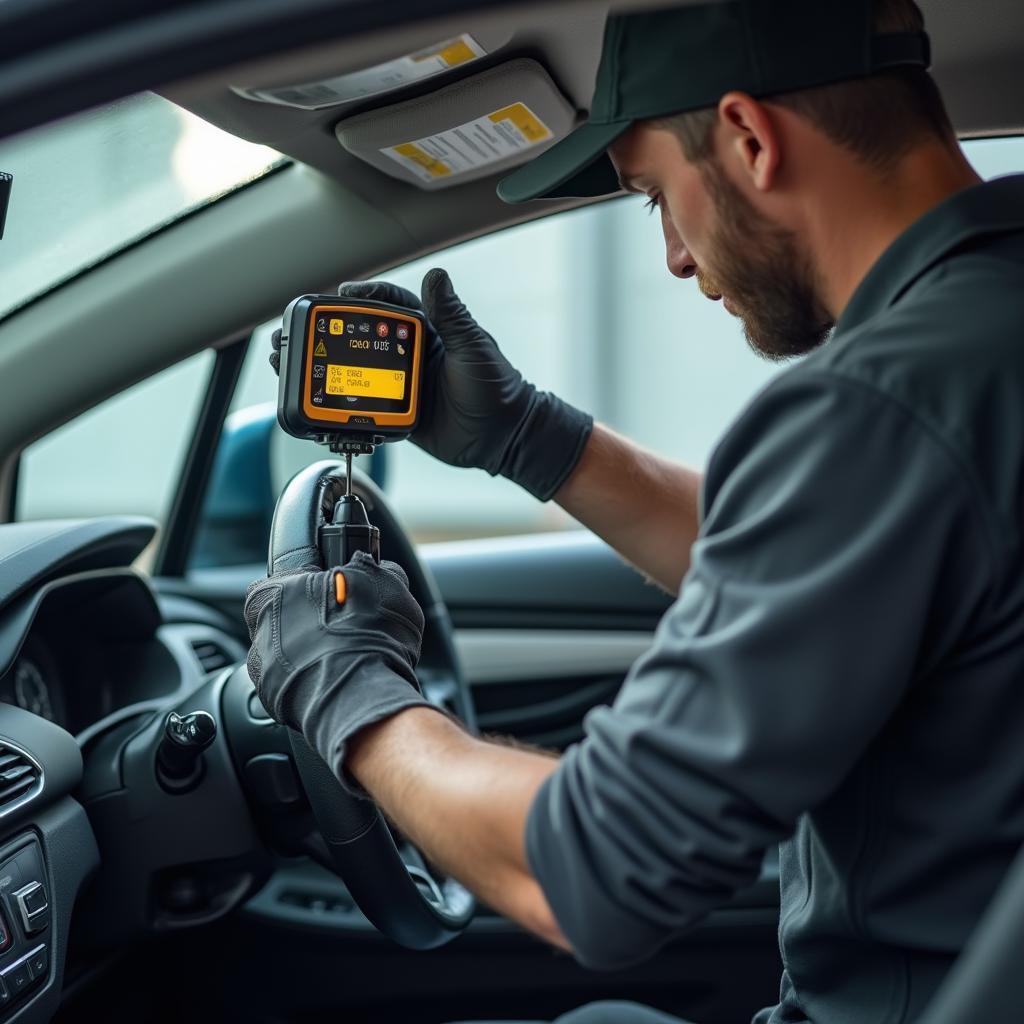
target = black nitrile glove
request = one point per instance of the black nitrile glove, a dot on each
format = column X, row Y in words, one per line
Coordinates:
column 477, row 411
column 328, row 669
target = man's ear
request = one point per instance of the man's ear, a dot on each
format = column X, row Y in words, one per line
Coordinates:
column 749, row 138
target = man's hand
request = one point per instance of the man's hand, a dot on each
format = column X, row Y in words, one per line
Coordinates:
column 477, row 410
column 333, row 652
column 333, row 656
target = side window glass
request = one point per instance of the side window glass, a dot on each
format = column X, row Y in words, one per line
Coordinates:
column 123, row 456
column 993, row 158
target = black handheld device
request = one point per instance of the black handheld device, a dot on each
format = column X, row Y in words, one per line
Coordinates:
column 350, row 371
column 349, row 379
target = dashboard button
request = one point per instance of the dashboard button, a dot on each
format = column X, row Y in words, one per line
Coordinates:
column 17, row 979
column 32, row 906
column 35, row 900
column 39, row 963
column 5, row 996
column 6, row 938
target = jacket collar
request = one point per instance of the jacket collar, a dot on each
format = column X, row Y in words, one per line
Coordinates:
column 991, row 208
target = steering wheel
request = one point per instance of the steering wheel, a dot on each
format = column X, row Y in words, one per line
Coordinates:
column 406, row 902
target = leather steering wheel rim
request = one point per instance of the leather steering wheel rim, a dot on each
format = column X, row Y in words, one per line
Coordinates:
column 405, row 903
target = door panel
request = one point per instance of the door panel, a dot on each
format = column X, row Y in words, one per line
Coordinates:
column 536, row 685
column 492, row 656
column 545, row 713
column 568, row 580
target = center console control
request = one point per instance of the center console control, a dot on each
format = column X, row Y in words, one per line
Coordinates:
column 24, row 920
column 32, row 906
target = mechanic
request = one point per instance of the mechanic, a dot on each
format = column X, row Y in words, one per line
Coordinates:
column 841, row 672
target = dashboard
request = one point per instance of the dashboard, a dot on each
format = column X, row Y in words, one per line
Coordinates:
column 98, row 644
column 89, row 659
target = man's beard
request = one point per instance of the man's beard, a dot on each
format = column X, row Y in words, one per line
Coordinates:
column 759, row 270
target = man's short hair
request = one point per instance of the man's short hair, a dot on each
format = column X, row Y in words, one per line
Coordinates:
column 878, row 118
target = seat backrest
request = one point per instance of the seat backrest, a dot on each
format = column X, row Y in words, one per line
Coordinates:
column 986, row 984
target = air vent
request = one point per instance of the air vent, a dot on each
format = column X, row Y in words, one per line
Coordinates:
column 211, row 655
column 19, row 777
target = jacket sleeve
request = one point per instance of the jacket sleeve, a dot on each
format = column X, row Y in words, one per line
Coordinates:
column 835, row 524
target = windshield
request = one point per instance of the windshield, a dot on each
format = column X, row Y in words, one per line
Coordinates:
column 87, row 186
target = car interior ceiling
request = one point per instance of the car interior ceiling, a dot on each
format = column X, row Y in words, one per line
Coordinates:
column 294, row 230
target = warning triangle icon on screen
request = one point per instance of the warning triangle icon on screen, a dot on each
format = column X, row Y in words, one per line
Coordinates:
column 320, row 350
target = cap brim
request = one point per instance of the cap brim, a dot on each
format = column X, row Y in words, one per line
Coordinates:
column 576, row 167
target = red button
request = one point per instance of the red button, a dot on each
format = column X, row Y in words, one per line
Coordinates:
column 382, row 329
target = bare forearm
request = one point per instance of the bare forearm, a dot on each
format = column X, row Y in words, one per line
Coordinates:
column 463, row 802
column 643, row 505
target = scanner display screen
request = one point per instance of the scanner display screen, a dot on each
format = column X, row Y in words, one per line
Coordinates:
column 365, row 382
column 360, row 362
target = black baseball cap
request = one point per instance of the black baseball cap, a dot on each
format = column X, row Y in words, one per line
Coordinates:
column 663, row 62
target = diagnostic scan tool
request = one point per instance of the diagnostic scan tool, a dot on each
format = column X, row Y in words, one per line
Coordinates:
column 350, row 373
column 350, row 380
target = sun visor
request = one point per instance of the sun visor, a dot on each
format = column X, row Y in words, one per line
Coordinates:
column 359, row 84
column 476, row 127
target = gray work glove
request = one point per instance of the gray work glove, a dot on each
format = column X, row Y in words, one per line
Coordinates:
column 328, row 669
column 476, row 409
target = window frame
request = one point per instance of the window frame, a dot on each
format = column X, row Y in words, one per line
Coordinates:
column 188, row 497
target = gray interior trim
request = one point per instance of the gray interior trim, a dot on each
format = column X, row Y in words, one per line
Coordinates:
column 521, row 655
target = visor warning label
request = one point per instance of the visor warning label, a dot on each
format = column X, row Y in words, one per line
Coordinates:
column 371, row 81
column 468, row 147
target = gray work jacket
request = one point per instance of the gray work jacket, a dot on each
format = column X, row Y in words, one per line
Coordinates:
column 843, row 670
